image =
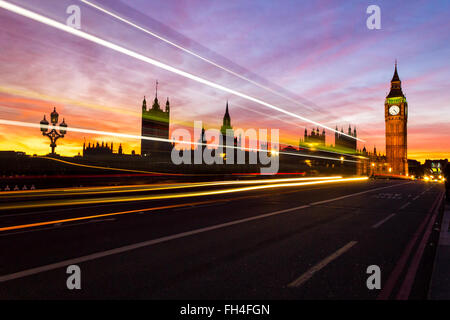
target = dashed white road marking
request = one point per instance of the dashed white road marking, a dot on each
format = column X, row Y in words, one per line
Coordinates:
column 404, row 206
column 376, row 225
column 421, row 194
column 322, row 264
column 356, row 194
column 401, row 208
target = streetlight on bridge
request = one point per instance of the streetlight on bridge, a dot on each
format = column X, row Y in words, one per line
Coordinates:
column 53, row 135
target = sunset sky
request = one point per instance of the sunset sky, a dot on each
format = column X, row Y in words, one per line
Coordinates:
column 319, row 53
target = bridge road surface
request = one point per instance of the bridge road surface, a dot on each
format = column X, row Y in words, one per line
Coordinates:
column 312, row 242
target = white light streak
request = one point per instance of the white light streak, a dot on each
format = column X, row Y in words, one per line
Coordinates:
column 138, row 137
column 107, row 44
column 153, row 34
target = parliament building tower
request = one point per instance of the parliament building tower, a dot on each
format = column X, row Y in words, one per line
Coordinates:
column 155, row 123
column 396, row 118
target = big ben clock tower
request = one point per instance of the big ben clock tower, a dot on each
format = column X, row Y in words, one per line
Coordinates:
column 396, row 118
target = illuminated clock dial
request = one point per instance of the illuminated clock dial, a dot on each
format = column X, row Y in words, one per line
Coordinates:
column 394, row 110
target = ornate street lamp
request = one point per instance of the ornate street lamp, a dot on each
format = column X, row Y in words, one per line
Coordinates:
column 53, row 135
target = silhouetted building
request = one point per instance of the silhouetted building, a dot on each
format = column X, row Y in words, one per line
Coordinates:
column 97, row 149
column 373, row 163
column 415, row 168
column 315, row 137
column 155, row 124
column 102, row 150
column 227, row 129
column 202, row 141
column 345, row 141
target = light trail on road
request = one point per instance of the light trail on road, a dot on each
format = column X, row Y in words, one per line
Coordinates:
column 44, row 223
column 147, row 187
column 107, row 44
column 75, row 202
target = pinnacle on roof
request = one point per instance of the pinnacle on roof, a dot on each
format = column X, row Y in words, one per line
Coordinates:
column 395, row 77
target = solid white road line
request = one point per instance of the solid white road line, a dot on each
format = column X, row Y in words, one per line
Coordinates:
column 383, row 221
column 322, row 264
column 106, row 253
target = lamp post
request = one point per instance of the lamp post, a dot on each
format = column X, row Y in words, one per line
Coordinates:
column 53, row 135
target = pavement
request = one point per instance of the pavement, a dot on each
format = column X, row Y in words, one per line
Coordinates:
column 440, row 284
column 299, row 242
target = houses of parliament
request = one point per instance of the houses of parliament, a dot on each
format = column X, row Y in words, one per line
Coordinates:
column 155, row 123
column 341, row 140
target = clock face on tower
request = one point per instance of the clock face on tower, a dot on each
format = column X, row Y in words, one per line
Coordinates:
column 394, row 110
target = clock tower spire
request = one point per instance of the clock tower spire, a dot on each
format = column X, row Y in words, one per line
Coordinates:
column 396, row 118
